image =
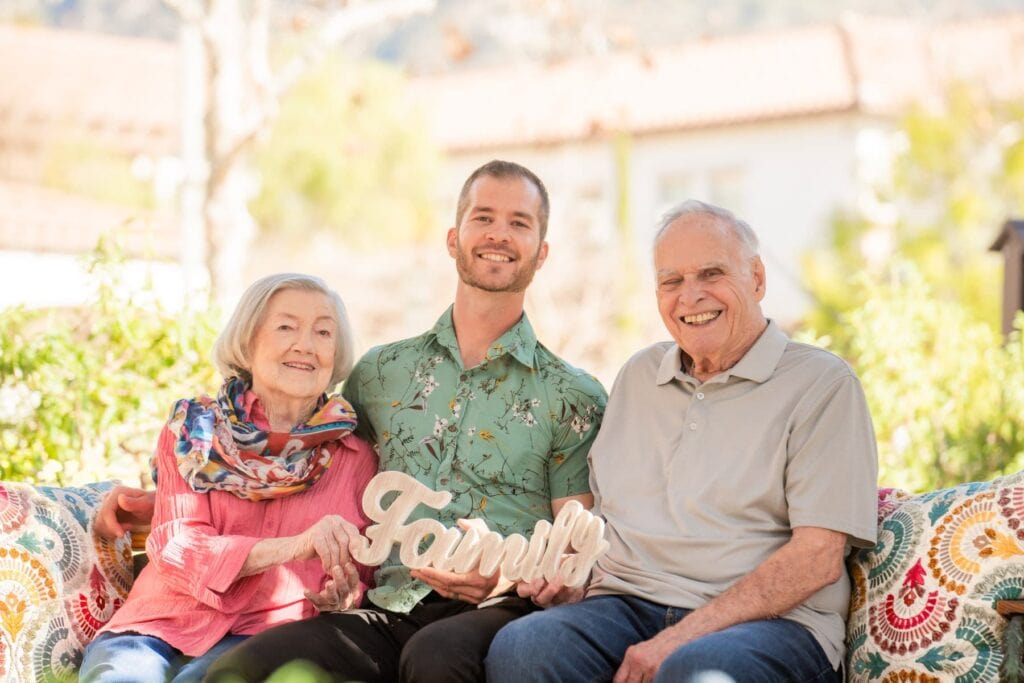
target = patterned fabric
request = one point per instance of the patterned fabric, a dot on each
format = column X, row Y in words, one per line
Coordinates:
column 220, row 449
column 505, row 437
column 58, row 584
column 923, row 603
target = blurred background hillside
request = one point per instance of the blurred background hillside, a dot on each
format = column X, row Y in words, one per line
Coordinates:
column 876, row 147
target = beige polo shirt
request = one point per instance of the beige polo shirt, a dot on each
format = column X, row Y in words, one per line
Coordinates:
column 700, row 483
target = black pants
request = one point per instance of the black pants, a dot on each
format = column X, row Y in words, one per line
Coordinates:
column 440, row 640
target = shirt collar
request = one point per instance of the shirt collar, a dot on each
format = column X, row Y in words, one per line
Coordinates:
column 253, row 407
column 519, row 341
column 757, row 364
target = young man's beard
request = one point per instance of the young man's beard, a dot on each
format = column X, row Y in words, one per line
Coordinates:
column 520, row 281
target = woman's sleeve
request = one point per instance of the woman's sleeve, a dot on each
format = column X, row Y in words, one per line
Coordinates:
column 189, row 552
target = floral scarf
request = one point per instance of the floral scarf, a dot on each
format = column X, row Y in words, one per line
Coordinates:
column 220, row 449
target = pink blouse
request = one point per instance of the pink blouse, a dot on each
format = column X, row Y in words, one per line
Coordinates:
column 190, row 594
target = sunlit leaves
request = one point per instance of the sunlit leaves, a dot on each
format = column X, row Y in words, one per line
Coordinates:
column 83, row 393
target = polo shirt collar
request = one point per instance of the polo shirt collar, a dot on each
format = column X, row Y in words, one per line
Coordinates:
column 519, row 341
column 757, row 364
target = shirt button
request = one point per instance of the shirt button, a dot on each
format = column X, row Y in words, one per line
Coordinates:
column 693, row 426
column 700, row 395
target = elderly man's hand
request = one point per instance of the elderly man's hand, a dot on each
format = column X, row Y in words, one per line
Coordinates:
column 643, row 660
column 548, row 593
column 124, row 509
column 340, row 592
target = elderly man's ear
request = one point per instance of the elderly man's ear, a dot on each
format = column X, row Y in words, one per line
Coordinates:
column 759, row 278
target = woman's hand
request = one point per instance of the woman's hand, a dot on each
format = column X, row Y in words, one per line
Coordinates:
column 341, row 591
column 327, row 539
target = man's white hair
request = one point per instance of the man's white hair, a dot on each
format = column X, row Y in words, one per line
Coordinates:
column 691, row 207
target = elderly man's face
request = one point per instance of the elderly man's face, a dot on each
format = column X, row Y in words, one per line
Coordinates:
column 709, row 291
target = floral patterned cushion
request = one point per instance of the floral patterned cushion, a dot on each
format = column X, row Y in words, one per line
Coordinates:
column 57, row 586
column 923, row 601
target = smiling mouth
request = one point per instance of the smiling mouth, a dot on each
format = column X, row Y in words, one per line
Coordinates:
column 496, row 258
column 700, row 318
column 300, row 366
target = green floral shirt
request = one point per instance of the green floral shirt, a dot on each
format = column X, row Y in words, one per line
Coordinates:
column 505, row 437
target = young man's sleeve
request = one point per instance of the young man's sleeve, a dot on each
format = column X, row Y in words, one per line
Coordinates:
column 578, row 420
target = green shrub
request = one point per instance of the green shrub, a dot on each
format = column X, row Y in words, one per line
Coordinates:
column 945, row 392
column 84, row 392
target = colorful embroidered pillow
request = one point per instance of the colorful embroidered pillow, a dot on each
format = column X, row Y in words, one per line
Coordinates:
column 57, row 586
column 923, row 601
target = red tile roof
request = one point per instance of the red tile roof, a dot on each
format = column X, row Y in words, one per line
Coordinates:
column 866, row 64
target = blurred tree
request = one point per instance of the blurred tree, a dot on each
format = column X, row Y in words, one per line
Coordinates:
column 344, row 156
column 945, row 392
column 80, row 390
column 230, row 85
column 958, row 173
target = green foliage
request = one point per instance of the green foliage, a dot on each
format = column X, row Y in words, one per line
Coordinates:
column 957, row 175
column 83, row 393
column 300, row 671
column 945, row 394
column 346, row 156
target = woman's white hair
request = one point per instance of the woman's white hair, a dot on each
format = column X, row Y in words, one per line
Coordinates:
column 231, row 350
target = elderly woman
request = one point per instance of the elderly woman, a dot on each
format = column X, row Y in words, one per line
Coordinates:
column 258, row 491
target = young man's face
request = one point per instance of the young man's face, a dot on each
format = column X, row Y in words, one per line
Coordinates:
column 497, row 246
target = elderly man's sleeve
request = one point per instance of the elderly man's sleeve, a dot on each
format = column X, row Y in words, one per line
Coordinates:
column 578, row 419
column 832, row 472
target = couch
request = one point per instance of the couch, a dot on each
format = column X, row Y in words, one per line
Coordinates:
column 923, row 607
column 58, row 584
column 925, row 598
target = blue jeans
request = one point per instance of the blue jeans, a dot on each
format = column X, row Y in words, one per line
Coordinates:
column 586, row 641
column 134, row 658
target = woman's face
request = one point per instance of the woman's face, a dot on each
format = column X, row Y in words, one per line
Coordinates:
column 292, row 349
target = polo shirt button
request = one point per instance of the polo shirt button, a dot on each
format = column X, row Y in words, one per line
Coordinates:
column 700, row 395
column 693, row 426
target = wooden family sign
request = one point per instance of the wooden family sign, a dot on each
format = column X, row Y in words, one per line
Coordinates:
column 543, row 555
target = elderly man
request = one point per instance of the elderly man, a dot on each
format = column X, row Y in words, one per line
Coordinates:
column 734, row 470
column 476, row 406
